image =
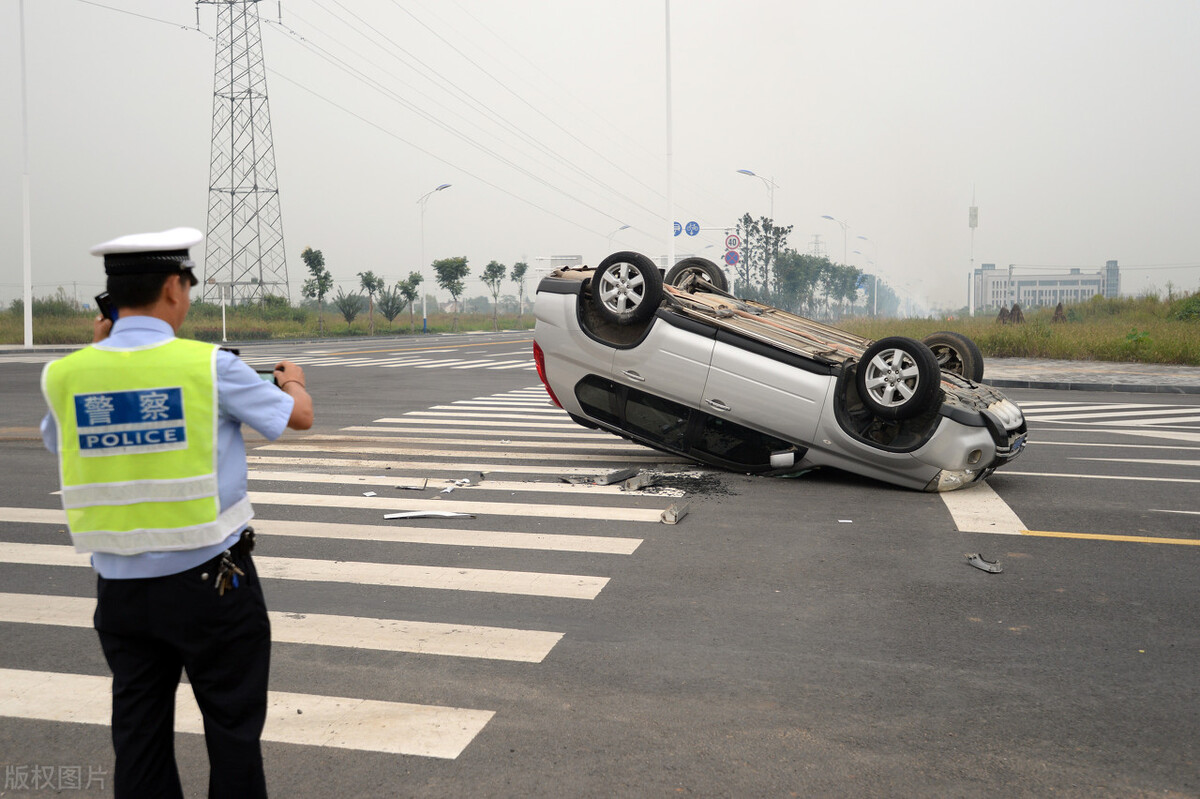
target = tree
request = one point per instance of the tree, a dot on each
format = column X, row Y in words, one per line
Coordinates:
column 517, row 275
column 410, row 290
column 349, row 304
column 450, row 274
column 493, row 275
column 762, row 243
column 320, row 283
column 372, row 285
column 391, row 302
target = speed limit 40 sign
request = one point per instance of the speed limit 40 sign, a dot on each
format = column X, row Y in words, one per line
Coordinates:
column 733, row 241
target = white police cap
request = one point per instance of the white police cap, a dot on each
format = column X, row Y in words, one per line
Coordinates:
column 150, row 253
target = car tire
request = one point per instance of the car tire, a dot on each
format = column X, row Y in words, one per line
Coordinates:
column 957, row 354
column 898, row 378
column 626, row 288
column 700, row 268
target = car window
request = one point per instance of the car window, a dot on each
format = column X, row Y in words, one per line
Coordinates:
column 732, row 442
column 598, row 398
column 657, row 419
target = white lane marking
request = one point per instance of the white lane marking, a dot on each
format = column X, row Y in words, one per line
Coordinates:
column 395, row 575
column 1068, row 417
column 1010, row 472
column 441, row 363
column 579, row 432
column 475, row 364
column 979, row 509
column 526, row 365
column 319, row 629
column 1174, row 420
column 541, row 423
column 1144, row 432
column 614, row 446
column 408, row 362
column 1074, row 408
column 599, row 544
column 487, row 485
column 458, row 414
column 1164, row 510
column 342, row 722
column 1152, row 461
column 454, row 467
column 443, row 453
column 522, row 509
column 1039, row 442
column 545, row 410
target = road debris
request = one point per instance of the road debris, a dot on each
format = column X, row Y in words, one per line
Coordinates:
column 978, row 561
column 640, row 480
column 417, row 484
column 370, row 494
column 429, row 514
column 448, row 489
column 673, row 514
column 618, row 476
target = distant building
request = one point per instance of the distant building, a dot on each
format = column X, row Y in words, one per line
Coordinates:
column 993, row 288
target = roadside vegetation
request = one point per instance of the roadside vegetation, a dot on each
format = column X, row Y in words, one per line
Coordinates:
column 1142, row 329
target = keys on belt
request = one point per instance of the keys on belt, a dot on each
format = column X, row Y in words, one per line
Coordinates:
column 228, row 571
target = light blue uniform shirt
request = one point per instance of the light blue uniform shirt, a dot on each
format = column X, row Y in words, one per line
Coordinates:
column 242, row 398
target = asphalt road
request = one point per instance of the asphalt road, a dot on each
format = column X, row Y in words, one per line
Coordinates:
column 804, row 637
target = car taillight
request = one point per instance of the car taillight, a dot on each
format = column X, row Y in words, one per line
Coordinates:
column 539, row 359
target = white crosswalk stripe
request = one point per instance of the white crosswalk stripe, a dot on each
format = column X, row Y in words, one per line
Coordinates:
column 516, row 435
column 1114, row 414
column 503, row 361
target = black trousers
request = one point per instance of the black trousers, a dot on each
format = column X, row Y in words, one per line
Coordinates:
column 152, row 629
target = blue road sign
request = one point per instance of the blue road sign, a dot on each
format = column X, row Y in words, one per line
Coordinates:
column 678, row 228
column 692, row 228
column 732, row 257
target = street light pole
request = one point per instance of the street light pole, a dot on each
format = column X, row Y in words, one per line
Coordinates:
column 769, row 183
column 615, row 232
column 845, row 226
column 424, row 198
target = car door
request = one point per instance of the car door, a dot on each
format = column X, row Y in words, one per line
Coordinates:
column 765, row 388
column 671, row 361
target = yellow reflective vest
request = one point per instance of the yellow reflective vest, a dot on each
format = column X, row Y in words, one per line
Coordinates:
column 137, row 452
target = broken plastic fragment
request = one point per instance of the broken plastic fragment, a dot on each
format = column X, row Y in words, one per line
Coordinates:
column 414, row 485
column 991, row 566
column 447, row 489
column 370, row 494
column 618, row 476
column 673, row 514
column 429, row 514
column 642, row 480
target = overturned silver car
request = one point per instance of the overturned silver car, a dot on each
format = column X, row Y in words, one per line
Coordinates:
column 679, row 364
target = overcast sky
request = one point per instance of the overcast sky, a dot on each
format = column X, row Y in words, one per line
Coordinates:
column 1075, row 125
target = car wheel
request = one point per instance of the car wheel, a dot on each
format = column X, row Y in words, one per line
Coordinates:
column 898, row 378
column 700, row 269
column 626, row 288
column 956, row 353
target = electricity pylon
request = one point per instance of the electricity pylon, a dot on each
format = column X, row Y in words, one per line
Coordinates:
column 244, row 247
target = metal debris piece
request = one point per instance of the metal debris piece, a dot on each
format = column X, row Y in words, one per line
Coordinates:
column 429, row 514
column 618, row 476
column 579, row 480
column 640, row 480
column 414, row 485
column 370, row 494
column 448, row 489
column 978, row 561
column 673, row 514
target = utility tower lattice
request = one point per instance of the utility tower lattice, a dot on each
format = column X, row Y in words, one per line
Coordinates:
column 244, row 248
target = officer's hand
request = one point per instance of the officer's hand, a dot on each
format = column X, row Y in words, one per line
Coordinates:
column 288, row 372
column 101, row 327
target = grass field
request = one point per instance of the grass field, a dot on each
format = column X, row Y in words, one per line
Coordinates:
column 1145, row 329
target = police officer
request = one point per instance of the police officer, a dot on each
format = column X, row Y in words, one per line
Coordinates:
column 147, row 428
